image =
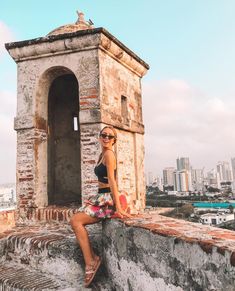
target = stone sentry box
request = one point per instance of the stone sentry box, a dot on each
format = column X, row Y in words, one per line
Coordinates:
column 71, row 84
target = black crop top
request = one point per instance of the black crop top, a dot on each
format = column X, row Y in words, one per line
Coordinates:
column 101, row 173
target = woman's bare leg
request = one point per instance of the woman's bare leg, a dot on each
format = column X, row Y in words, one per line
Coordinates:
column 78, row 222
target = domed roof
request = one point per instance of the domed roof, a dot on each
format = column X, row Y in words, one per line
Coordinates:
column 80, row 24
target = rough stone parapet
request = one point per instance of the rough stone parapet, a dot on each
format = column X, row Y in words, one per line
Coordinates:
column 147, row 252
column 153, row 252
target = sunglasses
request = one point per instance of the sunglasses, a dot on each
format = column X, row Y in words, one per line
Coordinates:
column 104, row 135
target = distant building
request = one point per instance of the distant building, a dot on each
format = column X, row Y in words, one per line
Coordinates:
column 233, row 188
column 168, row 176
column 216, row 218
column 197, row 179
column 150, row 178
column 224, row 173
column 182, row 181
column 177, row 182
column 182, row 176
column 183, row 164
column 7, row 195
column 233, row 168
column 158, row 182
column 211, row 179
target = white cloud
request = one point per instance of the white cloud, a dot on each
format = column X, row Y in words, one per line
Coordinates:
column 7, row 113
column 6, row 35
column 181, row 121
column 8, row 137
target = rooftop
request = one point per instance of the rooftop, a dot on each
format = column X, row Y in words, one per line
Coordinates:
column 80, row 24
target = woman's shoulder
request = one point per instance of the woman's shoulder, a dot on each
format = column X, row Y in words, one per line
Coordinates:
column 109, row 154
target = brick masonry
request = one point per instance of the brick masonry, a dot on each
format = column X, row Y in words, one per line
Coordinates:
column 106, row 70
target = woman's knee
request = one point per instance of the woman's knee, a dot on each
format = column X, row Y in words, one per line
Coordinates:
column 75, row 220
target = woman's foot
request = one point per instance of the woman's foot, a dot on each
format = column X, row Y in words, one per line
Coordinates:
column 91, row 270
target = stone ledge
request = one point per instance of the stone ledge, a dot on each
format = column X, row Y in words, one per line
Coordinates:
column 152, row 252
column 98, row 39
column 81, row 33
column 206, row 236
column 149, row 252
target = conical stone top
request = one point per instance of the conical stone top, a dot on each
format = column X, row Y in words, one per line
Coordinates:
column 80, row 24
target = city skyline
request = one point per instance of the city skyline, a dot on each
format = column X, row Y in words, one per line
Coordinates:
column 203, row 168
column 188, row 93
column 184, row 178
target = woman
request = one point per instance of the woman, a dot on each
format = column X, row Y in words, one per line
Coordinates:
column 101, row 206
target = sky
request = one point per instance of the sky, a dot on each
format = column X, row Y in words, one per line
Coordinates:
column 188, row 92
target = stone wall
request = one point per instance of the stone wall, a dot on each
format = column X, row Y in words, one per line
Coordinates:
column 147, row 252
column 153, row 252
column 117, row 81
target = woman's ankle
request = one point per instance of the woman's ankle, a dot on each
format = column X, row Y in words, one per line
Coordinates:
column 92, row 261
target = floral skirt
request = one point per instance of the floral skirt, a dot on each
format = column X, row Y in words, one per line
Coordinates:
column 100, row 205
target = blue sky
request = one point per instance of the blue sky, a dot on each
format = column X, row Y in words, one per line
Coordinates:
column 188, row 93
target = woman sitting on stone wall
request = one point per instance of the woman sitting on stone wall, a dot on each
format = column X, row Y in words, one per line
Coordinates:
column 101, row 206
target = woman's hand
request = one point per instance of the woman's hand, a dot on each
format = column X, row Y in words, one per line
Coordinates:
column 123, row 214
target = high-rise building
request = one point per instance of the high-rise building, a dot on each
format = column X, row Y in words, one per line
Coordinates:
column 211, row 178
column 183, row 164
column 157, row 182
column 233, row 167
column 182, row 181
column 150, row 178
column 197, row 179
column 224, row 173
column 177, row 185
column 168, row 176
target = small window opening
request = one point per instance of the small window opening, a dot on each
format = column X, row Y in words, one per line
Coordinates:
column 75, row 123
column 124, row 110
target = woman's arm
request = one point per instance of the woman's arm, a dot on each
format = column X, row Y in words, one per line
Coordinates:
column 110, row 163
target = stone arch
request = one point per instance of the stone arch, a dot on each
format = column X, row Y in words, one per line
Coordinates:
column 52, row 98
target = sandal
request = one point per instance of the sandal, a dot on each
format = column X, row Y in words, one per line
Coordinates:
column 90, row 271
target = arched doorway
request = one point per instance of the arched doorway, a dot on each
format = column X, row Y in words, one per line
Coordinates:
column 64, row 154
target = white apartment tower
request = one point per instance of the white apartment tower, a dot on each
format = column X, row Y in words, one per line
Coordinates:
column 183, row 164
column 224, row 173
column 183, row 179
column 197, row 179
column 168, row 176
column 233, row 168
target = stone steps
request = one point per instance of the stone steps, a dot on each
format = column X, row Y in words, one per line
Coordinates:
column 51, row 253
column 20, row 278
